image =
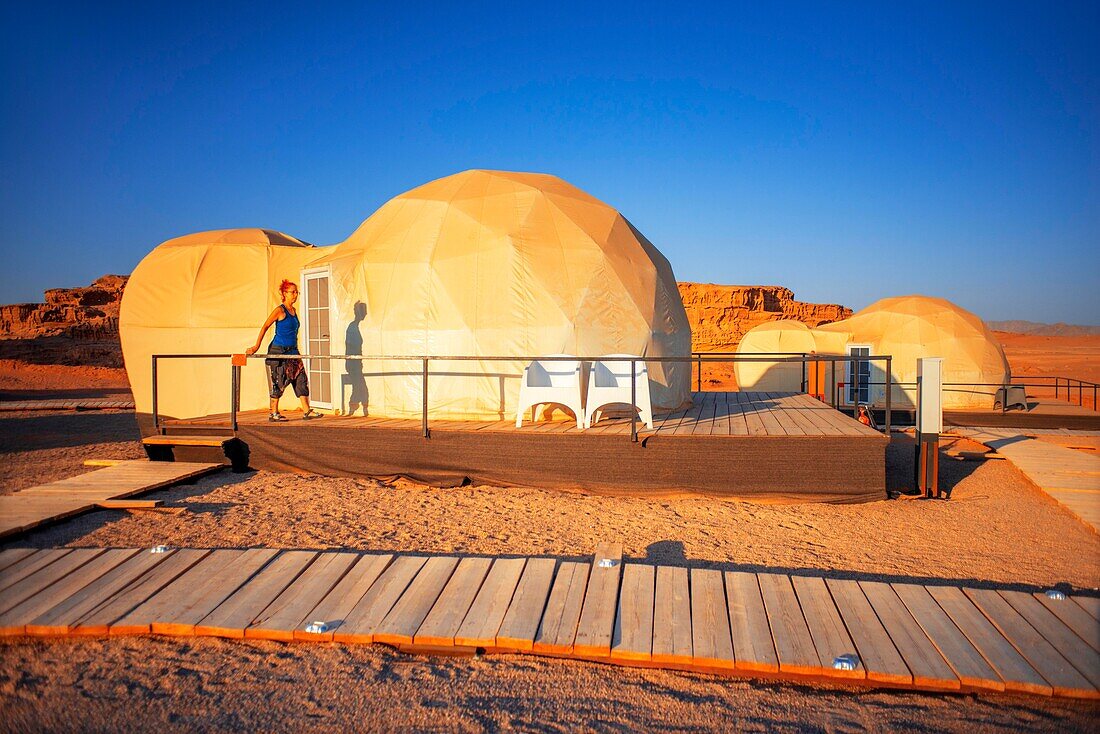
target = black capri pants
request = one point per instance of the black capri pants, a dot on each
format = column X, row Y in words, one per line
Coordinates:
column 284, row 372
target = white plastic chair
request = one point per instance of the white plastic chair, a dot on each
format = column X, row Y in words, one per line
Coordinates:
column 560, row 383
column 609, row 383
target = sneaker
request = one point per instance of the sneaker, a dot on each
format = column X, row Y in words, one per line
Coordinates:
column 311, row 415
column 277, row 418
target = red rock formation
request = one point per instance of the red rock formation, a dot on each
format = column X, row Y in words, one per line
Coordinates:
column 721, row 314
column 73, row 326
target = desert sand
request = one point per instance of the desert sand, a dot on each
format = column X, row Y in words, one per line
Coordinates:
column 998, row 530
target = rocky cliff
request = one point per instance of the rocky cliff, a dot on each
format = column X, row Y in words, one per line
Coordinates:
column 721, row 314
column 76, row 326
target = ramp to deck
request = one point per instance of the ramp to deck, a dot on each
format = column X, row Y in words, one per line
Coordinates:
column 929, row 637
column 35, row 506
column 1071, row 477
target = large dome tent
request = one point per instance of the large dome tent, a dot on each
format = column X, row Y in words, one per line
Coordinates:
column 495, row 263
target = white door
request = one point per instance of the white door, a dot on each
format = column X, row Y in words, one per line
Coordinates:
column 858, row 380
column 317, row 338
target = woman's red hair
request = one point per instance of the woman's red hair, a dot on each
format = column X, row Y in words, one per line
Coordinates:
column 285, row 285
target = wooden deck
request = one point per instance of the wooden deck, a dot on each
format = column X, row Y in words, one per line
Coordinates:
column 1071, row 477
column 711, row 414
column 35, row 506
column 929, row 637
column 782, row 447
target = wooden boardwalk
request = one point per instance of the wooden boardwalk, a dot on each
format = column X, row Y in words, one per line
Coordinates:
column 35, row 506
column 67, row 404
column 927, row 637
column 1071, row 477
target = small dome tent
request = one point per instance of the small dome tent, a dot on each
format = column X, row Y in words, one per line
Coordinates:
column 774, row 337
column 204, row 293
column 493, row 263
column 909, row 327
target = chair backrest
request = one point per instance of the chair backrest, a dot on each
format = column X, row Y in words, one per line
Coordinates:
column 616, row 374
column 553, row 373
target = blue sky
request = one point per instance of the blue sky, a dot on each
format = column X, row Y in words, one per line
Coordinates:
column 847, row 151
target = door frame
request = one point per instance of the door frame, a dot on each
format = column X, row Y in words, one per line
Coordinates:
column 307, row 273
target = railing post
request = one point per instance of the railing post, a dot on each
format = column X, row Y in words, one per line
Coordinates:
column 699, row 374
column 889, row 372
column 234, row 393
column 634, row 401
column 1080, row 394
column 424, row 397
column 1094, row 397
column 803, row 372
column 1055, row 388
column 156, row 413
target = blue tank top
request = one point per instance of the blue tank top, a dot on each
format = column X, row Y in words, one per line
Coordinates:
column 286, row 330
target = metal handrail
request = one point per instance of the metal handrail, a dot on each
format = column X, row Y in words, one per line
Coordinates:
column 696, row 357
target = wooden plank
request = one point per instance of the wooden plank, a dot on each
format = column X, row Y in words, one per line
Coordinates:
column 558, row 627
column 447, row 613
column 1017, row 674
column 24, row 567
column 232, row 616
column 59, row 619
column 521, row 622
column 877, row 653
column 98, row 620
column 363, row 620
column 711, row 642
column 753, row 647
column 409, row 612
column 1090, row 604
column 597, row 621
column 182, row 604
column 1062, row 638
column 632, row 637
column 14, row 555
column 686, row 426
column 1063, row 678
column 1074, row 617
column 214, row 441
column 830, row 636
column 929, row 669
column 705, row 425
column 483, row 621
column 794, row 646
column 44, row 575
column 672, row 617
column 127, row 504
column 737, row 424
column 287, row 613
column 14, row 620
column 752, row 414
column 968, row 664
column 337, row 605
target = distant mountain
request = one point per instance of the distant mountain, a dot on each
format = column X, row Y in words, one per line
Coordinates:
column 1034, row 327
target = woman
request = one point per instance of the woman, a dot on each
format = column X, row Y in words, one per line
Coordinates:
column 285, row 372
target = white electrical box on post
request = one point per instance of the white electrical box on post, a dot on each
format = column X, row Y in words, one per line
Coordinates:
column 929, row 426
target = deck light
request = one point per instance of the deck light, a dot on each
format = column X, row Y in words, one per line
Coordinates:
column 846, row 662
column 159, row 549
column 1056, row 595
column 316, row 628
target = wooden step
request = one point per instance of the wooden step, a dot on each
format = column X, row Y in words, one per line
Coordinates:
column 215, row 441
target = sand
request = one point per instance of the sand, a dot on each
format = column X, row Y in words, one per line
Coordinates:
column 998, row 530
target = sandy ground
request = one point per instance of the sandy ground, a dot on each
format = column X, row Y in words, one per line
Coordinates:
column 997, row 531
column 22, row 381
